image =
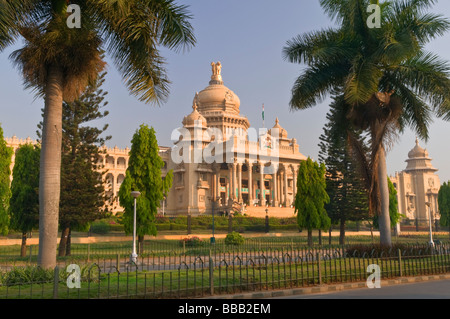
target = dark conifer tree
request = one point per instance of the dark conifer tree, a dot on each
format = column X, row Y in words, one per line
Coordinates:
column 345, row 185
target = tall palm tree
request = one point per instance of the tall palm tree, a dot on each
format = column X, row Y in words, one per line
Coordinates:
column 58, row 62
column 385, row 75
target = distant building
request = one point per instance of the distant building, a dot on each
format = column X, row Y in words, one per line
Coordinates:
column 418, row 185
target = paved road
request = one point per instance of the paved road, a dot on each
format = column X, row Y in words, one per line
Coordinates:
column 439, row 289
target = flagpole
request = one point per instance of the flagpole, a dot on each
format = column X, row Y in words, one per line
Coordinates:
column 263, row 117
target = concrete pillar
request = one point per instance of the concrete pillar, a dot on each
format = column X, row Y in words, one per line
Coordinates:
column 261, row 185
column 286, row 200
column 218, row 185
column 250, row 184
column 234, row 181
column 239, row 165
column 230, row 182
column 275, row 188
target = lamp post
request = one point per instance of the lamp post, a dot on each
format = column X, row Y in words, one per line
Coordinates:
column 134, row 255
column 431, row 243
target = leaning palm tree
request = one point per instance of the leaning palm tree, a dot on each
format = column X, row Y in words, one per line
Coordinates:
column 58, row 62
column 386, row 77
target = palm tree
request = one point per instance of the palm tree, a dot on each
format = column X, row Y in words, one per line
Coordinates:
column 385, row 75
column 58, row 62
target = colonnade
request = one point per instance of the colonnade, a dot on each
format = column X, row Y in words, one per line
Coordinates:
column 231, row 188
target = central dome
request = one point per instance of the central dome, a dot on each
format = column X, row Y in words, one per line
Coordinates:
column 216, row 96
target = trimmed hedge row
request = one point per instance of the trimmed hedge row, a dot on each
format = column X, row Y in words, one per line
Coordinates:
column 239, row 223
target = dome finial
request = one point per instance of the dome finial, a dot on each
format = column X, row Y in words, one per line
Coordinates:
column 216, row 77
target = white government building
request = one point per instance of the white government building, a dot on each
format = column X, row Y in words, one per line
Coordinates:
column 220, row 163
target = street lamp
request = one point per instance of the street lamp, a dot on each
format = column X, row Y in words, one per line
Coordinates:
column 429, row 222
column 133, row 258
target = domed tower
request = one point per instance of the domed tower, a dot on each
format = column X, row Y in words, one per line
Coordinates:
column 418, row 185
column 220, row 105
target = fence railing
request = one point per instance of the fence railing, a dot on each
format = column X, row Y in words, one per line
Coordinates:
column 228, row 273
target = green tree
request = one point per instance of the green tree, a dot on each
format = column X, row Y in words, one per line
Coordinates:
column 345, row 185
column 311, row 198
column 5, row 181
column 82, row 186
column 394, row 214
column 24, row 202
column 59, row 61
column 387, row 78
column 444, row 204
column 144, row 175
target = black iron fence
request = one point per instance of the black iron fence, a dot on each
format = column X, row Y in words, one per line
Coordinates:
column 224, row 273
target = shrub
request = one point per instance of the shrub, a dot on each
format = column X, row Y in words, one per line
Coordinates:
column 23, row 275
column 235, row 239
column 100, row 228
column 191, row 242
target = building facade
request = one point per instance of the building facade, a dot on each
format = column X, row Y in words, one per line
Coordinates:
column 418, row 187
column 219, row 162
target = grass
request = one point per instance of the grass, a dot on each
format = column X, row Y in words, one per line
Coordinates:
column 189, row 283
column 165, row 247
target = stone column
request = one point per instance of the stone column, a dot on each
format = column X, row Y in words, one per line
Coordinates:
column 250, row 184
column 234, row 181
column 218, row 185
column 286, row 200
column 239, row 165
column 275, row 189
column 261, row 185
column 230, row 182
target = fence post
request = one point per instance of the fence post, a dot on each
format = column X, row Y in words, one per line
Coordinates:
column 211, row 274
column 31, row 252
column 400, row 262
column 55, row 282
column 319, row 268
column 88, row 252
column 118, row 262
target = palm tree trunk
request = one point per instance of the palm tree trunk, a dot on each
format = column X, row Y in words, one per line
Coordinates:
column 50, row 169
column 384, row 220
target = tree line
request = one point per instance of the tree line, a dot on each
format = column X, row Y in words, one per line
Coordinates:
column 84, row 196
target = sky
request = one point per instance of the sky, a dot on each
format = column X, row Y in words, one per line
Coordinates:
column 247, row 37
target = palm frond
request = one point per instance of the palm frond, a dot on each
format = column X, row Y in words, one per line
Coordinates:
column 316, row 83
column 315, row 47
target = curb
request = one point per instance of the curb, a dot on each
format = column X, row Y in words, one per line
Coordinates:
column 328, row 288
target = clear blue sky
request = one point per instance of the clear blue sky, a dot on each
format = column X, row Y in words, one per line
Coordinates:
column 247, row 37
